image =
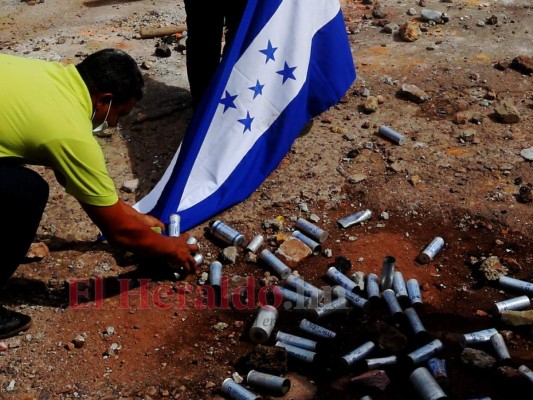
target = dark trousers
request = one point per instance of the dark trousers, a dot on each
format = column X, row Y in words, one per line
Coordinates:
column 23, row 197
column 205, row 27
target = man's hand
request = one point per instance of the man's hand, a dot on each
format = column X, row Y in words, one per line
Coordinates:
column 126, row 227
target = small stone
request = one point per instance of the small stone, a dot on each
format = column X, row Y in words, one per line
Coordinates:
column 414, row 93
column 527, row 153
column 371, row 104
column 410, row 31
column 506, row 112
column 38, row 251
column 130, row 186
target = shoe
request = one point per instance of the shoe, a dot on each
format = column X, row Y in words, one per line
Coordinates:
column 12, row 322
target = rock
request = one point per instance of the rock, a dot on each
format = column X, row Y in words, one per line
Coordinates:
column 371, row 104
column 219, row 327
column 130, row 186
column 492, row 269
column 377, row 379
column 230, row 254
column 38, row 251
column 414, row 93
column 523, row 64
column 163, row 51
column 431, row 15
column 477, row 359
column 410, row 31
column 78, row 341
column 391, row 28
column 293, row 250
column 517, row 318
column 527, row 153
column 507, row 112
column 525, row 195
column 359, row 279
column 378, row 11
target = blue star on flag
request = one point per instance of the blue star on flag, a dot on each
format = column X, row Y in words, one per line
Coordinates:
column 247, row 122
column 257, row 89
column 228, row 101
column 287, row 72
column 269, row 52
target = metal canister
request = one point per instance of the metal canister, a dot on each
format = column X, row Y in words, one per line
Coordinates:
column 296, row 301
column 279, row 267
column 379, row 363
column 437, row 367
column 226, row 233
column 500, row 348
column 304, row 287
column 273, row 383
column 394, row 307
column 387, row 272
column 425, row 385
column 333, row 307
column 419, row 331
column 398, row 285
column 413, row 289
column 315, row 247
column 236, row 391
column 255, row 244
column 199, row 258
column 357, row 354
column 431, row 250
column 317, row 330
column 339, row 278
column 356, row 218
column 215, row 274
column 477, row 337
column 516, row 303
column 311, row 230
column 174, row 225
column 264, row 324
column 527, row 372
column 354, row 299
column 297, row 341
column 372, row 287
column 425, row 352
column 515, row 284
column 391, row 134
column 298, row 353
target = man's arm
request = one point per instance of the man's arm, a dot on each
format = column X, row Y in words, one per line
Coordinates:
column 126, row 227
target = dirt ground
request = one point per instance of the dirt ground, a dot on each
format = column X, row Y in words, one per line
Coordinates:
column 459, row 175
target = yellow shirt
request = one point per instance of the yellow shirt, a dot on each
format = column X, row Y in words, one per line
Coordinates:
column 45, row 119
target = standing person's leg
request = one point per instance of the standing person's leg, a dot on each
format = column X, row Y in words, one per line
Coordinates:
column 234, row 11
column 205, row 22
column 23, row 197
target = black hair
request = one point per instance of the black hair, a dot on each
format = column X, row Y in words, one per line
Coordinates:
column 114, row 71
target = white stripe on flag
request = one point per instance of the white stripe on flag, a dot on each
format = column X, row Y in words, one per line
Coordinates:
column 290, row 30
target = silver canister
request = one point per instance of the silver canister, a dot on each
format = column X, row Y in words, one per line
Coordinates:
column 282, row 270
column 398, row 285
column 199, row 258
column 379, row 363
column 431, row 250
column 304, row 287
column 298, row 353
column 297, row 341
column 255, row 244
column 174, row 225
column 413, row 289
column 354, row 219
column 387, row 272
column 527, row 372
column 311, row 230
column 272, row 383
column 366, row 398
column 340, row 279
column 425, row 385
column 333, row 307
column 437, row 367
column 394, row 307
column 372, row 287
column 391, row 134
column 476, row 337
column 419, row 331
column 354, row 299
column 236, row 391
column 516, row 303
column 315, row 247
column 515, row 284
column 215, row 274
column 500, row 348
column 317, row 330
column 296, row 301
column 264, row 324
column 226, row 233
column 425, row 352
column 357, row 354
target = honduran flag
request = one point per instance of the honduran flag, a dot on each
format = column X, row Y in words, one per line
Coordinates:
column 290, row 60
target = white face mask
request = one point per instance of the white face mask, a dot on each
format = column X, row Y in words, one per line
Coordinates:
column 104, row 125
